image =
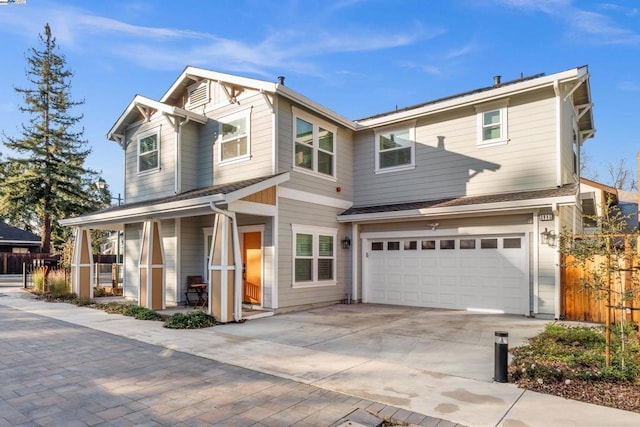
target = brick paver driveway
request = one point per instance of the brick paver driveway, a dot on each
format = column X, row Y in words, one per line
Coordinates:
column 55, row 373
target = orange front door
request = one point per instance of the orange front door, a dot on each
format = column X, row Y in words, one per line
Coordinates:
column 252, row 261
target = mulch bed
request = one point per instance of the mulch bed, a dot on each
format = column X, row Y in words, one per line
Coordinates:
column 618, row 395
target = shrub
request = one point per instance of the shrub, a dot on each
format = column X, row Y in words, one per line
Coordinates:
column 38, row 279
column 563, row 352
column 112, row 307
column 58, row 284
column 193, row 320
column 141, row 313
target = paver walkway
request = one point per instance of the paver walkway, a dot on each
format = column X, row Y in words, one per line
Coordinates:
column 55, row 373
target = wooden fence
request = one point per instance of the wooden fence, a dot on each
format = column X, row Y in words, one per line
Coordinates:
column 582, row 305
column 11, row 263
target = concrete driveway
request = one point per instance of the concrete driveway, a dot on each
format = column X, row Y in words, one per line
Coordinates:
column 457, row 343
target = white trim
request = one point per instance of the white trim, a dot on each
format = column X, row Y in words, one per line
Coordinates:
column 536, row 262
column 457, row 210
column 254, row 229
column 252, row 208
column 303, row 196
column 242, row 114
column 472, row 99
column 178, row 235
column 316, row 123
column 500, row 106
column 445, row 232
column 557, row 259
column 411, row 127
column 275, row 239
column 157, row 130
column 558, row 105
column 355, row 246
column 315, row 232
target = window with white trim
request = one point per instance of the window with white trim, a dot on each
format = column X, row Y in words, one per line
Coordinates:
column 314, row 144
column 395, row 148
column 492, row 124
column 149, row 151
column 233, row 136
column 314, row 256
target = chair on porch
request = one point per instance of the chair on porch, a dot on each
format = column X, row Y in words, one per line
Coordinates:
column 196, row 292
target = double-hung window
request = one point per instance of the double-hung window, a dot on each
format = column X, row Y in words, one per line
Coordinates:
column 395, row 148
column 314, row 144
column 314, row 256
column 149, row 151
column 233, row 135
column 492, row 124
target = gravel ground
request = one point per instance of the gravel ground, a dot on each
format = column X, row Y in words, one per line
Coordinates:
column 616, row 395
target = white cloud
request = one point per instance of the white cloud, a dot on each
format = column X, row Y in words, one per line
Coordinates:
column 628, row 86
column 583, row 25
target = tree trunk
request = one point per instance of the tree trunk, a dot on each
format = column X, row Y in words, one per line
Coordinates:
column 46, row 232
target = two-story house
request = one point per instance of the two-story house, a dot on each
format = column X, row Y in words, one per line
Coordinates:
column 283, row 204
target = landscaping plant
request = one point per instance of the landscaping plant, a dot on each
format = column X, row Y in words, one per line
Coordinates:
column 193, row 320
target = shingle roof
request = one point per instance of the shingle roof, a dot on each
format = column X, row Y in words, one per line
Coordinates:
column 192, row 194
column 8, row 232
column 566, row 190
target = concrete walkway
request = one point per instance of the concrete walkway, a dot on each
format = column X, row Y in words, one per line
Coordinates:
column 334, row 357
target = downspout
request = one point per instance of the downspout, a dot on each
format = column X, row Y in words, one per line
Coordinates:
column 536, row 263
column 556, row 226
column 237, row 261
column 355, row 239
column 556, row 88
column 178, row 177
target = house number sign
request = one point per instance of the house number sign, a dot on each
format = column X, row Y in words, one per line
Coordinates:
column 546, row 217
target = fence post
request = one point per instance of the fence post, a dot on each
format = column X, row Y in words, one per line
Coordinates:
column 24, row 275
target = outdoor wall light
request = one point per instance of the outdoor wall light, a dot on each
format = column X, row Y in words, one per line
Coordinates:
column 548, row 237
column 346, row 242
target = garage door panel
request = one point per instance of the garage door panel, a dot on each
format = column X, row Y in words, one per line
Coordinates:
column 479, row 272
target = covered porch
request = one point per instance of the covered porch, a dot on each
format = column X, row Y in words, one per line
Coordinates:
column 224, row 234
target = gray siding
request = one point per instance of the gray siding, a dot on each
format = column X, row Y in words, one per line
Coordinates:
column 152, row 184
column 301, row 213
column 309, row 182
column 169, row 246
column 449, row 163
column 190, row 153
column 131, row 257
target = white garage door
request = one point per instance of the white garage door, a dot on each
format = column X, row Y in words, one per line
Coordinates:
column 484, row 272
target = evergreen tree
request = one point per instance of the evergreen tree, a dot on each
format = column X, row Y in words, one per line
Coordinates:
column 47, row 180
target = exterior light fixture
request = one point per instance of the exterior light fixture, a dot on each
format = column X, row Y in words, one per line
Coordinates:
column 346, row 242
column 548, row 237
column 101, row 183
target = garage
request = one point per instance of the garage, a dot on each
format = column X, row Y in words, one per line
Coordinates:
column 487, row 272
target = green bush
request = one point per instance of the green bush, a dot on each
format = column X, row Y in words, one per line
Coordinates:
column 112, row 307
column 58, row 284
column 563, row 352
column 193, row 320
column 141, row 313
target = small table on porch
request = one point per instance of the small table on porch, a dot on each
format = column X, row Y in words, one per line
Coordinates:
column 200, row 292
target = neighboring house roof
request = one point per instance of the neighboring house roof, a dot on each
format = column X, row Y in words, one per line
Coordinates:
column 490, row 202
column 626, row 201
column 10, row 235
column 188, row 203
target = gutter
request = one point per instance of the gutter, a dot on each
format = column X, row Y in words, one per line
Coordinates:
column 457, row 210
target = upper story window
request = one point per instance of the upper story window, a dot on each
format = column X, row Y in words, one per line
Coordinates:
column 492, row 124
column 149, row 150
column 233, row 135
column 198, row 94
column 315, row 144
column 314, row 258
column 395, row 148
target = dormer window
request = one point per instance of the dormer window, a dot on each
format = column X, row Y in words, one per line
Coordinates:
column 198, row 94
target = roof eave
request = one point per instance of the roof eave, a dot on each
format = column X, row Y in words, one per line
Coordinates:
column 457, row 210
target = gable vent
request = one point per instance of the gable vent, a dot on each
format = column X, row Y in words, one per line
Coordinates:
column 198, row 94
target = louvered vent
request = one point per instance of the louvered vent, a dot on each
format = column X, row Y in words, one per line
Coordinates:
column 198, row 94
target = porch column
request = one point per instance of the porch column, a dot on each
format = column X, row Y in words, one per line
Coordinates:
column 225, row 272
column 82, row 264
column 151, row 268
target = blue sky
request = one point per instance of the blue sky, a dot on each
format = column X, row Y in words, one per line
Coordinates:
column 357, row 57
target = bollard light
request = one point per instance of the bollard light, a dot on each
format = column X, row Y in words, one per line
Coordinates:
column 501, row 353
